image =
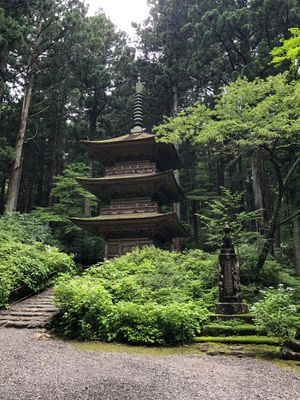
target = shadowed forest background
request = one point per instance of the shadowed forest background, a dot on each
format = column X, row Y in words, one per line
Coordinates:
column 65, row 77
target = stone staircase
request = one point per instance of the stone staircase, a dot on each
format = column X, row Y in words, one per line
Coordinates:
column 33, row 312
column 233, row 329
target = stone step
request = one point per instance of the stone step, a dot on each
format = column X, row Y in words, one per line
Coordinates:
column 23, row 318
column 34, row 307
column 30, row 313
column 229, row 330
column 40, row 302
column 239, row 340
column 24, row 324
column 247, row 318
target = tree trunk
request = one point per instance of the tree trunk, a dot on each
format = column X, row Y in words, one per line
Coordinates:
column 14, row 183
column 87, row 201
column 195, row 221
column 296, row 230
column 273, row 223
column 56, row 162
column 270, row 232
column 2, row 194
column 176, row 206
column 3, row 69
column 15, row 178
column 260, row 184
column 220, row 172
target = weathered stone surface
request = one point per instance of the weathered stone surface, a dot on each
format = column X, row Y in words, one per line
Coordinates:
column 33, row 312
column 230, row 299
column 231, row 308
column 291, row 348
column 289, row 354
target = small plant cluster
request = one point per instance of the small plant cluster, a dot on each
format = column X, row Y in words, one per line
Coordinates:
column 149, row 296
column 275, row 313
column 26, row 256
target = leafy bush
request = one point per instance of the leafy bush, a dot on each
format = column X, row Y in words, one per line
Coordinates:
column 275, row 314
column 88, row 307
column 149, row 296
column 152, row 323
column 24, row 261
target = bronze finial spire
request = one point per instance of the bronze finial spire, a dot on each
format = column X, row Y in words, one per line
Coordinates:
column 138, row 107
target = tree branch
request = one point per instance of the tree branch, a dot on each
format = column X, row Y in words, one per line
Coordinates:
column 39, row 112
column 34, row 136
column 288, row 219
column 291, row 171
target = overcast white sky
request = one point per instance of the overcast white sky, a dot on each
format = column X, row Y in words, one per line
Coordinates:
column 121, row 12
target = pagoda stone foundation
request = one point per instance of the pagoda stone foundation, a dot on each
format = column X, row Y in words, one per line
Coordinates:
column 137, row 190
column 230, row 299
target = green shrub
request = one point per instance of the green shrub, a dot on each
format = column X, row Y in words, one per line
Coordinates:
column 275, row 313
column 272, row 274
column 157, row 297
column 152, row 300
column 24, row 261
column 151, row 323
column 26, row 228
column 88, row 306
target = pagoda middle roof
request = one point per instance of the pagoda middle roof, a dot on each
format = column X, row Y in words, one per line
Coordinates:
column 106, row 148
column 162, row 184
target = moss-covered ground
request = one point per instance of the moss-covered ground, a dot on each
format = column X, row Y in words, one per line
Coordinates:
column 255, row 340
column 261, row 351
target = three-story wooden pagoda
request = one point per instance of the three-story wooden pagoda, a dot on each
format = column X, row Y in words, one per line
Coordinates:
column 138, row 181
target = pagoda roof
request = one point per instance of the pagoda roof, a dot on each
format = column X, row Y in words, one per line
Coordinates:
column 108, row 148
column 125, row 138
column 163, row 226
column 162, row 186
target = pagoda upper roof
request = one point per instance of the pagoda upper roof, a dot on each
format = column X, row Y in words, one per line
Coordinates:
column 162, row 226
column 162, row 186
column 134, row 143
column 125, row 138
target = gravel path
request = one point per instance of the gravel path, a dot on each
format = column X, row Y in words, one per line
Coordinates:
column 33, row 368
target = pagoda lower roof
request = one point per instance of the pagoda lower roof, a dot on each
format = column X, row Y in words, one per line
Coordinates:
column 162, row 185
column 163, row 226
column 109, row 149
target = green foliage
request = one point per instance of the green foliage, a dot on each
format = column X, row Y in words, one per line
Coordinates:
column 27, row 262
column 87, row 305
column 226, row 210
column 70, row 197
column 289, row 49
column 155, row 297
column 70, row 202
column 259, row 115
column 151, row 323
column 273, row 273
column 246, row 114
column 27, row 229
column 275, row 313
